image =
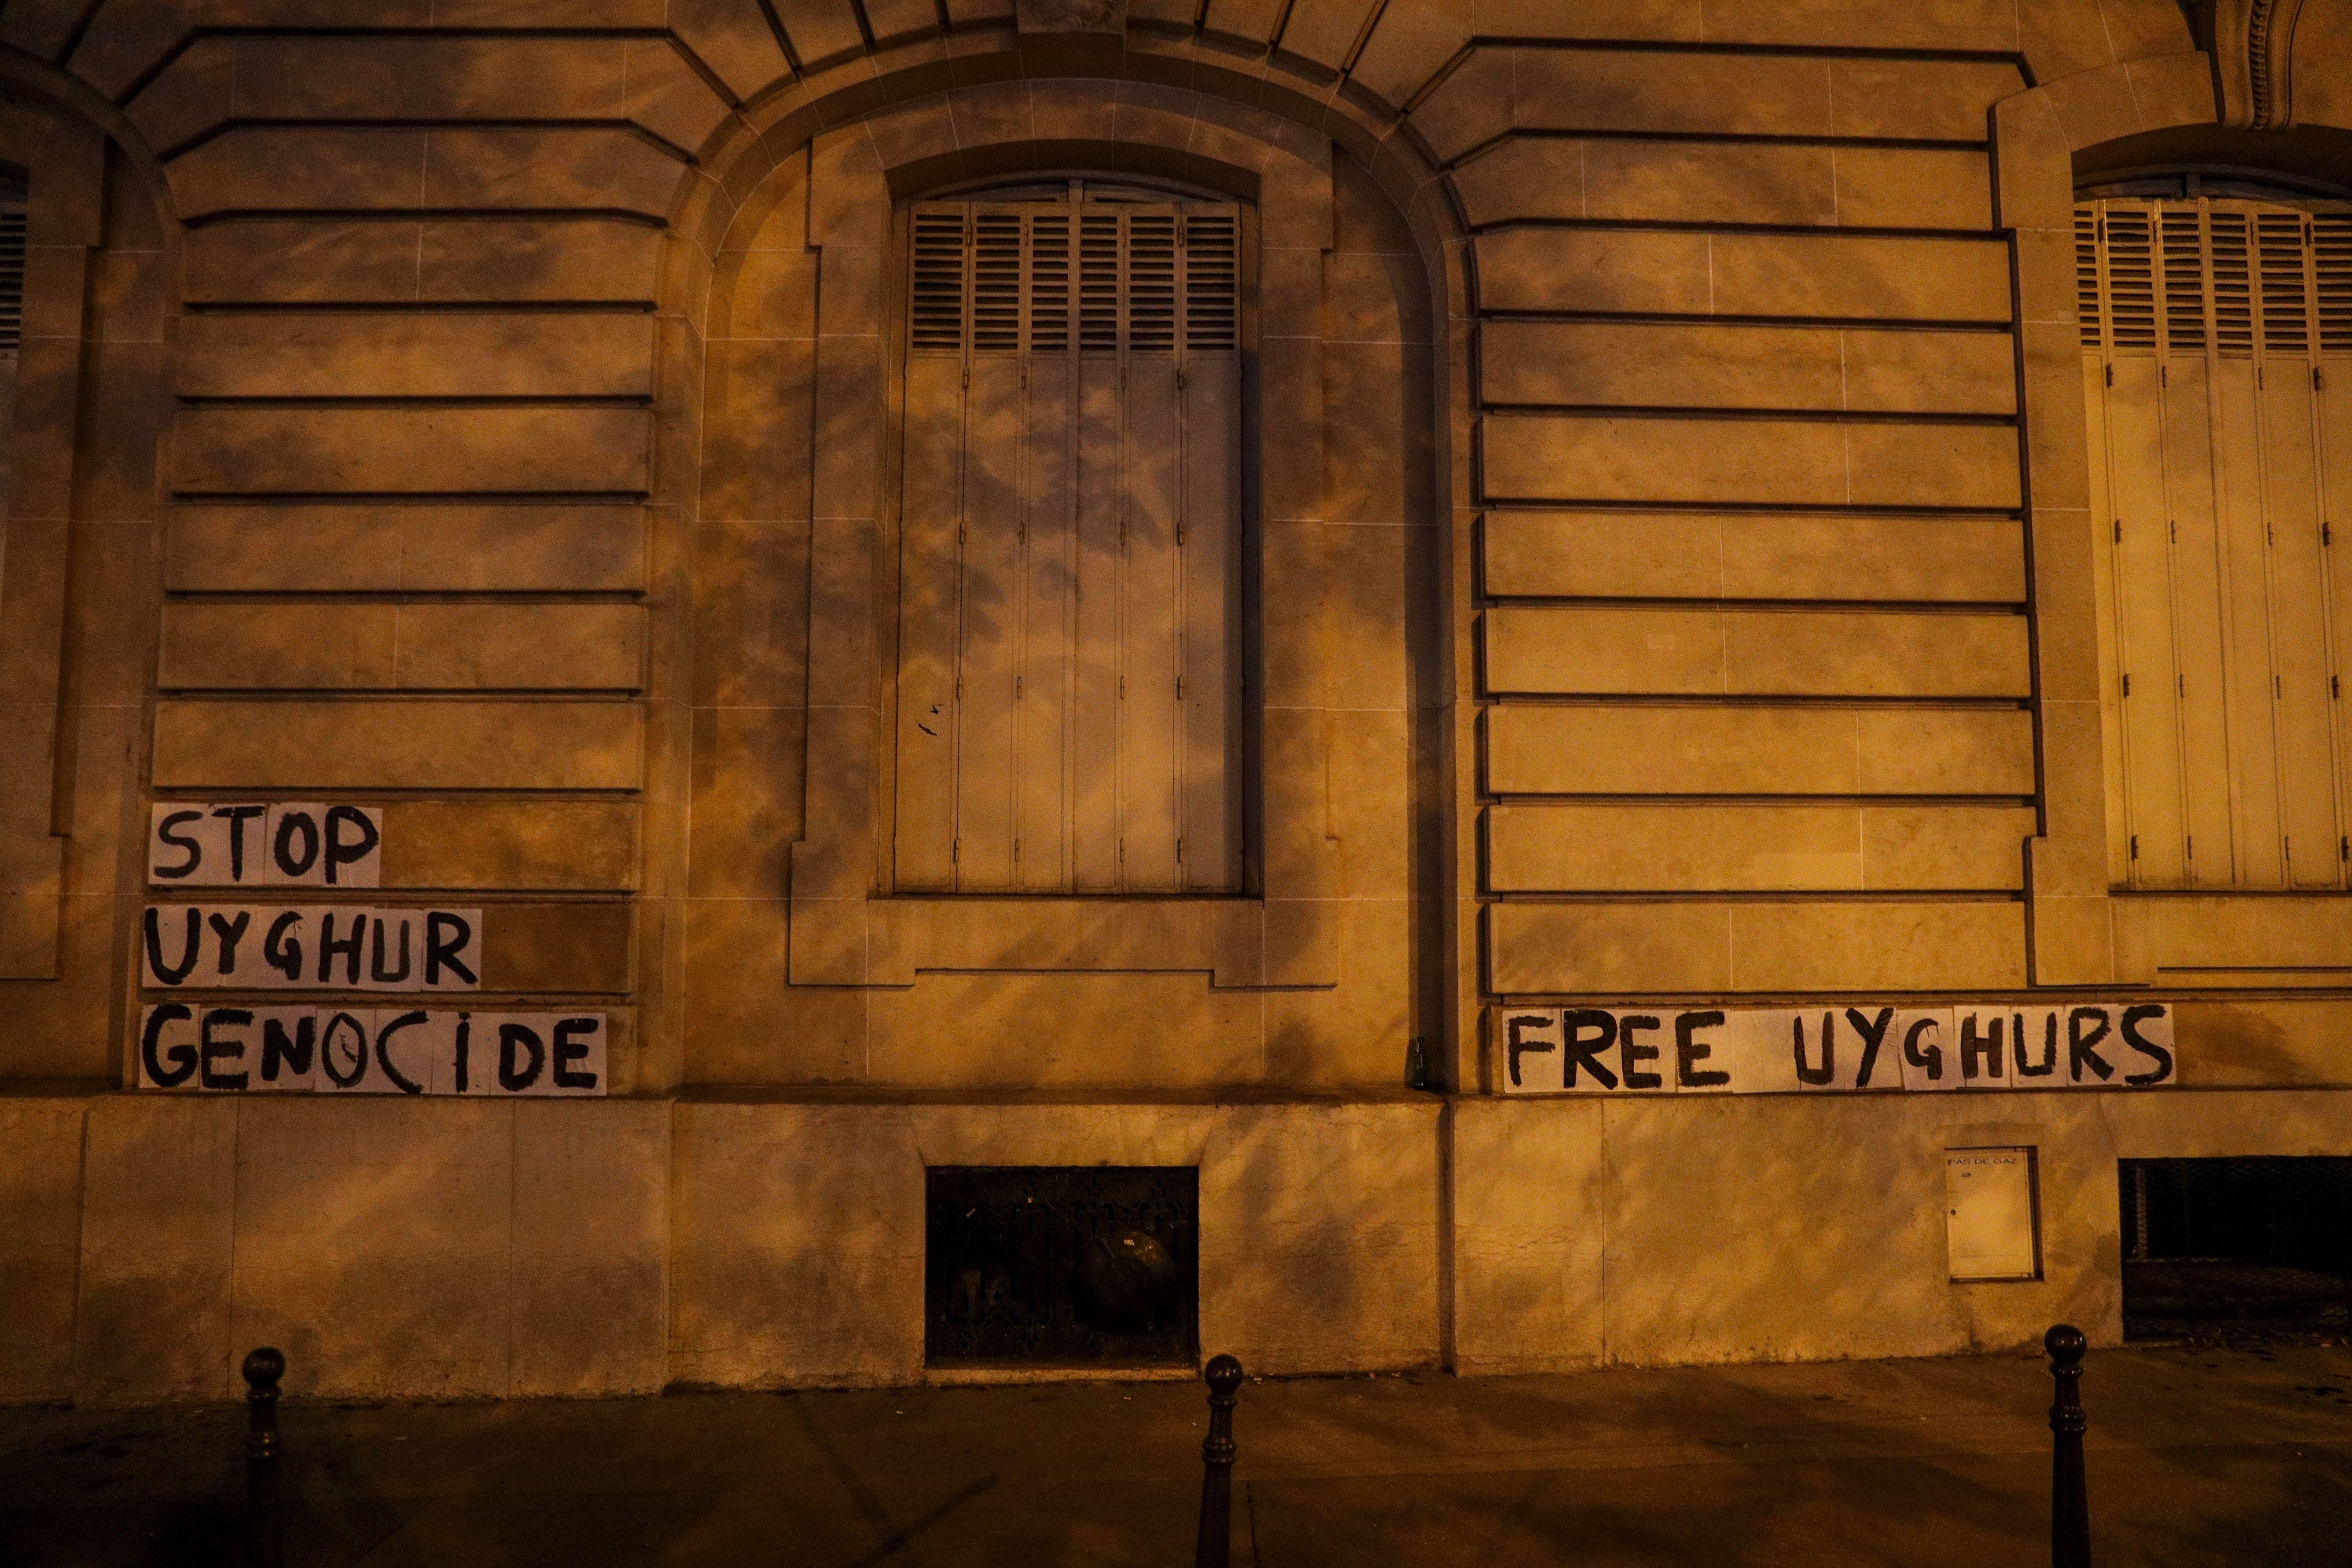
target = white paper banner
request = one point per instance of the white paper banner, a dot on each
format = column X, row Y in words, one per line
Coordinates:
column 389, row 1051
column 1878, row 1046
column 313, row 947
column 300, row 843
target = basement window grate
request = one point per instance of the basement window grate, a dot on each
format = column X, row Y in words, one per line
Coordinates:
column 1062, row 1265
column 2227, row 1247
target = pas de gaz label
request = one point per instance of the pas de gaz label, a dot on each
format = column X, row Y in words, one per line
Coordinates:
column 329, row 1050
column 1603, row 1050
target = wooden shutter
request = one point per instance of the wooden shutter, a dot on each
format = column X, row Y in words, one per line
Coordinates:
column 1069, row 680
column 2219, row 451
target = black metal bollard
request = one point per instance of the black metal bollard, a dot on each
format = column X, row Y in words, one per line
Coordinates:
column 2069, row 1503
column 265, row 1531
column 1215, row 1547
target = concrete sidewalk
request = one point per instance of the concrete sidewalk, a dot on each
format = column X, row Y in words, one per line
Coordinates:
column 2194, row 1457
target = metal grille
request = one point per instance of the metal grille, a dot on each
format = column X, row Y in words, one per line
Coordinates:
column 2257, row 1244
column 1090, row 1264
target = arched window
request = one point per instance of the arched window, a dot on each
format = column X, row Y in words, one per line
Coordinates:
column 1069, row 712
column 2216, row 316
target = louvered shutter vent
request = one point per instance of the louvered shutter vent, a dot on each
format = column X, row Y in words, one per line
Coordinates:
column 2331, row 237
column 2286, row 298
column 1069, row 692
column 2130, row 280
column 2086, row 276
column 2215, row 332
column 12, row 276
column 2233, row 288
column 2184, row 282
column 1213, row 276
column 936, row 315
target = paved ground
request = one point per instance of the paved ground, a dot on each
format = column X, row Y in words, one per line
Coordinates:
column 2196, row 1458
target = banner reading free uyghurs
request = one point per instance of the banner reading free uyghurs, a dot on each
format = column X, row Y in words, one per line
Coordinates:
column 1874, row 1046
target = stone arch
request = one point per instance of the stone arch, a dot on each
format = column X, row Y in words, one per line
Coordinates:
column 800, row 231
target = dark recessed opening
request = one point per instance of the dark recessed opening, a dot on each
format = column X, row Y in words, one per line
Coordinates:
column 1072, row 1265
column 2257, row 1246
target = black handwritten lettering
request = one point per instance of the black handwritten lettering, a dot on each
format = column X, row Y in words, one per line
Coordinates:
column 1976, row 1048
column 2078, row 1044
column 400, row 1080
column 513, row 1078
column 236, row 817
column 376, row 971
column 167, row 830
column 349, row 947
column 1690, row 1050
column 1873, row 1034
column 2025, row 1068
column 1580, row 1049
column 229, row 932
column 1827, row 1072
column 170, row 973
column 460, row 1058
column 1929, row 1058
column 339, row 1024
column 440, row 949
column 292, row 1054
column 291, row 866
column 183, row 1057
column 342, row 852
column 281, row 953
column 567, row 1050
column 211, row 1050
column 2133, row 1018
column 1516, row 1043
column 1630, row 1051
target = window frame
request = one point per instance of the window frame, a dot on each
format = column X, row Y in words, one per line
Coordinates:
column 846, row 928
column 1244, row 772
column 2242, row 480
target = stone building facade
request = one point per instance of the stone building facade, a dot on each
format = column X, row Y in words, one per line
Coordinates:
column 1205, row 584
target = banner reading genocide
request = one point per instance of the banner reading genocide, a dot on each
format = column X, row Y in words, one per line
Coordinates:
column 242, row 1049
column 1602, row 1050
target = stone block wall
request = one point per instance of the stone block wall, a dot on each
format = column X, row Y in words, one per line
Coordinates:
column 1672, row 581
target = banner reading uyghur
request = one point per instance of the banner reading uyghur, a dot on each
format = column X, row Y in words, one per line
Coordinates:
column 1868, row 1046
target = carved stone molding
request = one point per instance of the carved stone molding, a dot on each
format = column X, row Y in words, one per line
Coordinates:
column 2252, row 46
